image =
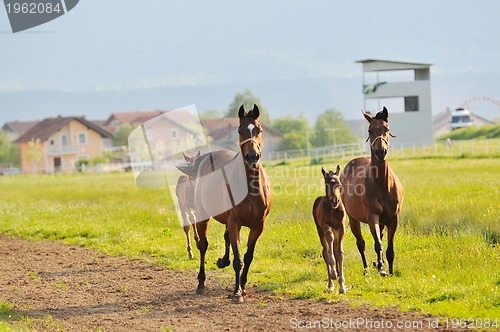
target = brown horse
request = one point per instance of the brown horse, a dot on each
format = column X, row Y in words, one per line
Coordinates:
column 329, row 216
column 250, row 212
column 185, row 196
column 372, row 192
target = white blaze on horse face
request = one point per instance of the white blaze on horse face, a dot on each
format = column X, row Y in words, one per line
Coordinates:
column 250, row 128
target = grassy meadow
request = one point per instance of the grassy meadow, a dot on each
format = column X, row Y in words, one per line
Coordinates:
column 447, row 246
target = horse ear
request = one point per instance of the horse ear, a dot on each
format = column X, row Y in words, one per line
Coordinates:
column 198, row 154
column 241, row 112
column 337, row 171
column 323, row 171
column 367, row 116
column 383, row 115
column 255, row 111
column 186, row 158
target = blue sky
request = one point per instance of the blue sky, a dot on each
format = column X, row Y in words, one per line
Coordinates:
column 124, row 45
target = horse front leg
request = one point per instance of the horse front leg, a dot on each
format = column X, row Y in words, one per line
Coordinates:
column 355, row 226
column 339, row 257
column 224, row 261
column 234, row 238
column 391, row 231
column 373, row 222
column 202, row 245
column 253, row 236
column 331, row 258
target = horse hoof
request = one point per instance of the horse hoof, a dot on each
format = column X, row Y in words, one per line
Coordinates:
column 222, row 263
column 190, row 255
column 342, row 290
column 237, row 298
column 382, row 273
column 200, row 290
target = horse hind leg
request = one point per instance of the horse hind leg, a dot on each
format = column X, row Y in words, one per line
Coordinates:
column 225, row 261
column 355, row 226
column 188, row 241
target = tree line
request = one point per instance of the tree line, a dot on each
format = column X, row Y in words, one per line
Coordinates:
column 330, row 127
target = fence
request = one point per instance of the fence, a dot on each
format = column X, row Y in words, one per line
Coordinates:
column 478, row 147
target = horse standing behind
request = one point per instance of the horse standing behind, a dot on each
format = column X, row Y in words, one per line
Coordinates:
column 329, row 217
column 250, row 212
column 185, row 196
column 372, row 192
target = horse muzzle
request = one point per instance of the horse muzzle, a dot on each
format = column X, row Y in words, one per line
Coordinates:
column 335, row 201
column 381, row 154
column 252, row 159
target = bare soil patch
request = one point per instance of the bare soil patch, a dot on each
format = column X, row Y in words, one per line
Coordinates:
column 59, row 286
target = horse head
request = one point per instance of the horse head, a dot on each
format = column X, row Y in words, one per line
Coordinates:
column 192, row 159
column 190, row 168
column 379, row 134
column 332, row 186
column 250, row 132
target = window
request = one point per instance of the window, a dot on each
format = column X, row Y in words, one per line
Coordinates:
column 411, row 104
column 82, row 138
column 175, row 134
column 64, row 139
column 52, row 142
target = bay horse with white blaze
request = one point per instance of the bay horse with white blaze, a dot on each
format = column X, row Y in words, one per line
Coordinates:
column 185, row 197
column 372, row 192
column 329, row 217
column 250, row 212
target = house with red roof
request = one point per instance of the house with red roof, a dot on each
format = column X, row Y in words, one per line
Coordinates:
column 57, row 144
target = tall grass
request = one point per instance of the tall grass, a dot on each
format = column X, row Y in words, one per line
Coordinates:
column 447, row 253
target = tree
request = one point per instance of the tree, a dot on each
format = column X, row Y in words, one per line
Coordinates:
column 247, row 99
column 212, row 114
column 120, row 138
column 34, row 153
column 9, row 153
column 294, row 132
column 331, row 129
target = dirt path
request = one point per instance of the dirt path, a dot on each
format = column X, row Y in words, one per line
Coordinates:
column 67, row 287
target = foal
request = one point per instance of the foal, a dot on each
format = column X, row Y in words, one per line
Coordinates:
column 185, row 196
column 329, row 216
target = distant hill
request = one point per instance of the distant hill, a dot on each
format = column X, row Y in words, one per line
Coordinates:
column 473, row 133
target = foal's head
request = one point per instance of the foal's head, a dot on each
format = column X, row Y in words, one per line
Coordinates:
column 379, row 134
column 192, row 159
column 332, row 186
column 250, row 132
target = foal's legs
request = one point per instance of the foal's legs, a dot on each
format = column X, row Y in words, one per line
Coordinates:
column 339, row 257
column 332, row 271
column 224, row 261
column 188, row 240
column 355, row 226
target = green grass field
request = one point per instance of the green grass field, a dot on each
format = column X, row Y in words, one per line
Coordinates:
column 447, row 247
